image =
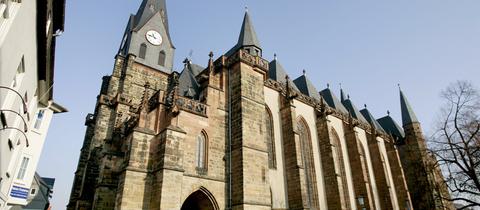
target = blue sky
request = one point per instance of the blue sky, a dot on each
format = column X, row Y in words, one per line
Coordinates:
column 369, row 46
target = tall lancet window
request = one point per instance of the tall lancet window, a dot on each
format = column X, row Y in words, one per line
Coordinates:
column 270, row 139
column 143, row 51
column 201, row 152
column 308, row 164
column 366, row 174
column 161, row 58
column 340, row 170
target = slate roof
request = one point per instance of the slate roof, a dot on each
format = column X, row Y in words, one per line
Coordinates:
column 391, row 127
column 408, row 116
column 332, row 100
column 369, row 117
column 188, row 85
column 50, row 182
column 353, row 110
column 342, row 95
column 147, row 9
column 196, row 69
column 306, row 87
column 248, row 36
column 277, row 72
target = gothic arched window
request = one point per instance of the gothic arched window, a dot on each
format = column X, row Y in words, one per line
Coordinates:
column 201, row 151
column 308, row 164
column 340, row 170
column 366, row 172
column 270, row 139
column 143, row 51
column 161, row 58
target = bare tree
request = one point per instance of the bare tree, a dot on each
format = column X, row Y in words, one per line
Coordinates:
column 456, row 142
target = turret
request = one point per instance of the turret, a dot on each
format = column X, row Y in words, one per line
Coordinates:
column 247, row 40
column 408, row 116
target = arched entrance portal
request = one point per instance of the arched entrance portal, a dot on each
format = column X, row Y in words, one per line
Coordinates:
column 201, row 199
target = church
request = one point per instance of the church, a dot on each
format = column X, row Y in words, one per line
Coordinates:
column 240, row 134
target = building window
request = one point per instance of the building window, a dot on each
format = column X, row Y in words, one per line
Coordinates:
column 23, row 168
column 38, row 122
column 340, row 170
column 33, row 191
column 143, row 51
column 161, row 58
column 308, row 164
column 201, row 152
column 270, row 139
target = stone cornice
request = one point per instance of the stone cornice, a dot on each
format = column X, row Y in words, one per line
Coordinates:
column 322, row 108
column 243, row 56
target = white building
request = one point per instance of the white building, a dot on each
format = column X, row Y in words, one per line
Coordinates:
column 27, row 47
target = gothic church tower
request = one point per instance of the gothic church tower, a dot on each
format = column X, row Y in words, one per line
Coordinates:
column 148, row 38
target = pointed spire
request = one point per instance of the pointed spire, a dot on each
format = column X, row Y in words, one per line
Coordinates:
column 342, row 94
column 148, row 8
column 408, row 116
column 248, row 37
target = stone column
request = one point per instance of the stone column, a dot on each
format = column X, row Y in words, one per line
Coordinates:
column 250, row 188
column 359, row 169
column 332, row 190
column 401, row 188
column 167, row 165
column 294, row 169
column 379, row 170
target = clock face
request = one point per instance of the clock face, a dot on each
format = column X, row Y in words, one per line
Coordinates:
column 154, row 37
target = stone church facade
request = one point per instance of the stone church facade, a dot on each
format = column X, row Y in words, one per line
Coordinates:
column 239, row 134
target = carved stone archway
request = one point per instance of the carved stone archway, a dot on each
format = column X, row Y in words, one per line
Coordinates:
column 201, row 199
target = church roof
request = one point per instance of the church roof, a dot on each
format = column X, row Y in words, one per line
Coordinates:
column 369, row 117
column 332, row 100
column 147, row 9
column 188, row 85
column 391, row 127
column 352, row 109
column 342, row 95
column 248, row 36
column 277, row 72
column 196, row 69
column 408, row 116
column 306, row 87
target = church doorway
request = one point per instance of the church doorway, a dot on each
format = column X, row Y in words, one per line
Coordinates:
column 201, row 199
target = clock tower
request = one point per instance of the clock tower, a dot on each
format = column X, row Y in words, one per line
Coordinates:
column 147, row 36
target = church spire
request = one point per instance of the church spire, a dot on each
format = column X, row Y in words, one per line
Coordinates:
column 147, row 9
column 248, row 38
column 342, row 94
column 408, row 116
column 147, row 36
